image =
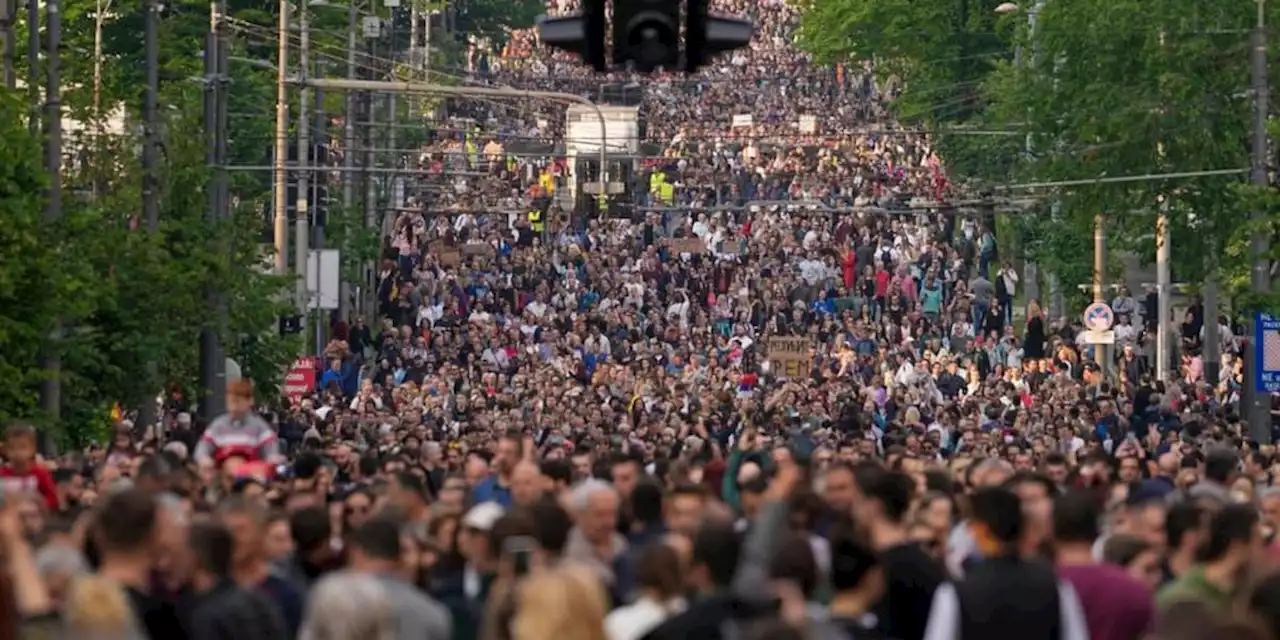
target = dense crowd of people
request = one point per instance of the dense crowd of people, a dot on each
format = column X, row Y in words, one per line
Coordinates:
column 831, row 416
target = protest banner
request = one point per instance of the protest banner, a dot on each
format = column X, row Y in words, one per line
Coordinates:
column 743, row 120
column 449, row 256
column 789, row 356
column 477, row 249
column 300, row 379
column 686, row 245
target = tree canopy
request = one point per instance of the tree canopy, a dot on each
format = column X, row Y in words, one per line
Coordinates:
column 1096, row 88
column 126, row 297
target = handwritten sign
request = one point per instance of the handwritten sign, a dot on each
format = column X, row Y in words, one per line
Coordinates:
column 686, row 245
column 449, row 257
column 743, row 120
column 477, row 249
column 790, row 356
column 301, row 378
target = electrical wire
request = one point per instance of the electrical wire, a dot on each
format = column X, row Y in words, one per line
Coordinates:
column 382, row 65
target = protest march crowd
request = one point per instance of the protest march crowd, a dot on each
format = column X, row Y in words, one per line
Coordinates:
column 827, row 417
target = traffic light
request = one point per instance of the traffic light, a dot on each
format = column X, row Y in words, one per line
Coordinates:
column 707, row 35
column 646, row 34
column 290, row 325
column 581, row 33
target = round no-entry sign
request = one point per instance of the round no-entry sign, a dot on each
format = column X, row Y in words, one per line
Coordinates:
column 1099, row 317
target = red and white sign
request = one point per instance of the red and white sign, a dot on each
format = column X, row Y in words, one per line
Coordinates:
column 301, row 378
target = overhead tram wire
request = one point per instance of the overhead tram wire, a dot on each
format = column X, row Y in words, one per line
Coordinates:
column 268, row 36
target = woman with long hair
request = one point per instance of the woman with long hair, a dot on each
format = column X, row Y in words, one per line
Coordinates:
column 1033, row 336
column 99, row 608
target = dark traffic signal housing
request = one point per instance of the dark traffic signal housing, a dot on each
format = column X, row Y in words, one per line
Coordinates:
column 646, row 34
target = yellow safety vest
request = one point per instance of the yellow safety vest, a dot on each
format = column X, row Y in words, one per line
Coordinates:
column 535, row 220
column 668, row 191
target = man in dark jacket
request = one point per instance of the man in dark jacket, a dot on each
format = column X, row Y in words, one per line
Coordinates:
column 221, row 609
column 313, row 554
column 1004, row 595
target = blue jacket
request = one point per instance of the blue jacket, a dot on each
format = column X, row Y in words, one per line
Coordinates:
column 489, row 490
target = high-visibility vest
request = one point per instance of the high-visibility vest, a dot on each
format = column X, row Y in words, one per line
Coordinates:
column 535, row 220
column 655, row 181
column 668, row 192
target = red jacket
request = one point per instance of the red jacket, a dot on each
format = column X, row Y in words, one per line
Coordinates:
column 37, row 479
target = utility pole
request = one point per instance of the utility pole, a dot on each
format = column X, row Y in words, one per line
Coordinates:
column 349, row 146
column 212, row 397
column 302, row 229
column 321, row 135
column 1164, row 291
column 33, row 65
column 1031, row 271
column 1256, row 402
column 393, row 99
column 281, row 216
column 1212, row 350
column 369, row 281
column 1102, row 352
column 8, row 10
column 51, row 385
column 222, row 186
column 150, row 205
column 414, row 17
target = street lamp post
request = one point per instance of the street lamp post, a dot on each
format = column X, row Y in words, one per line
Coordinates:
column 281, row 217
column 1256, row 402
column 1030, row 270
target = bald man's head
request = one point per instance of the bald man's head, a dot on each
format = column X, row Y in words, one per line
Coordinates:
column 526, row 483
column 477, row 469
column 1167, row 464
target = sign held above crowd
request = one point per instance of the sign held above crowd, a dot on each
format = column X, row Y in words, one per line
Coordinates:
column 790, row 356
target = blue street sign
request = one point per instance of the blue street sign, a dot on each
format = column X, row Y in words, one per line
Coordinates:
column 1266, row 342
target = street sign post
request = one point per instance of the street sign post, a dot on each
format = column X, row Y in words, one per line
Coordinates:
column 1100, row 337
column 1267, row 342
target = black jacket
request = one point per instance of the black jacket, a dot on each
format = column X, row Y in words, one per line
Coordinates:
column 229, row 612
column 710, row 619
column 1009, row 598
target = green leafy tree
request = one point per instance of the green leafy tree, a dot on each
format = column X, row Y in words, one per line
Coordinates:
column 27, row 306
column 938, row 53
column 126, row 297
column 1120, row 88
